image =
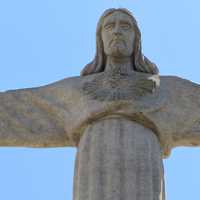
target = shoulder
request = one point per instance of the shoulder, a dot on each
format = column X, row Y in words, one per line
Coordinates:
column 72, row 82
column 177, row 85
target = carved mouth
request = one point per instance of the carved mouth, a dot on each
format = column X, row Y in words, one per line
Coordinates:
column 117, row 41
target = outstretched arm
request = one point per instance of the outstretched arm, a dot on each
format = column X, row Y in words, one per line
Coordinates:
column 34, row 117
column 182, row 112
column 177, row 117
column 188, row 103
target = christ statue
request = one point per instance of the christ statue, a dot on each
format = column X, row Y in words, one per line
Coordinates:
column 122, row 117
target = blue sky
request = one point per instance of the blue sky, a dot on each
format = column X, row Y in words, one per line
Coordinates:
column 42, row 41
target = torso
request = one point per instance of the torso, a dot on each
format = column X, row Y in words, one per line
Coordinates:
column 118, row 158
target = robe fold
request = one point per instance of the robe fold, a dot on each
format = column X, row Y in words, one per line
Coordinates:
column 118, row 159
column 121, row 125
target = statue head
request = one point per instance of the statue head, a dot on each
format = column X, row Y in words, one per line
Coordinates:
column 129, row 45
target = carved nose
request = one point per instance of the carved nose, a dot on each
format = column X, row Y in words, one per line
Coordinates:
column 117, row 31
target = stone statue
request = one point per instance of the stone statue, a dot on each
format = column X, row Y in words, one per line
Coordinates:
column 120, row 114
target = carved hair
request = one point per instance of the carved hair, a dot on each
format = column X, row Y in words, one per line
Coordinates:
column 141, row 63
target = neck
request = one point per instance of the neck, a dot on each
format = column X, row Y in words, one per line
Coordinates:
column 119, row 65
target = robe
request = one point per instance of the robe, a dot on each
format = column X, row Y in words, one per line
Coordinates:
column 121, row 124
column 118, row 159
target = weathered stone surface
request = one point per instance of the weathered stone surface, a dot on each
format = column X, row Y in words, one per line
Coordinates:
column 57, row 114
column 118, row 159
column 120, row 115
column 110, row 87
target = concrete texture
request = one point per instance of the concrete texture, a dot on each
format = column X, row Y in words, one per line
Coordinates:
column 123, row 118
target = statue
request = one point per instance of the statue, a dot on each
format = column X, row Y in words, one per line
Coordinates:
column 121, row 115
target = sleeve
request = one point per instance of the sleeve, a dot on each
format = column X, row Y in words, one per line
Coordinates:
column 178, row 116
column 187, row 107
column 35, row 117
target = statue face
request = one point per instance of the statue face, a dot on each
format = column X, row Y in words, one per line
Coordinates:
column 118, row 35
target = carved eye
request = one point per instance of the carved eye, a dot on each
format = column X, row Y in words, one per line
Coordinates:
column 125, row 26
column 109, row 26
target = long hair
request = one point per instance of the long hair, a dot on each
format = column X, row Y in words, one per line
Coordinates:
column 140, row 62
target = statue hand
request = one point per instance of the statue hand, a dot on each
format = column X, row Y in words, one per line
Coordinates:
column 156, row 79
column 145, row 86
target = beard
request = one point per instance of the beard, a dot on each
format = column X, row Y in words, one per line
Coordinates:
column 118, row 49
